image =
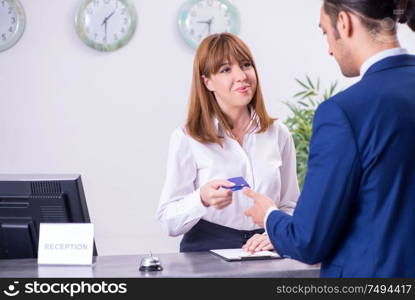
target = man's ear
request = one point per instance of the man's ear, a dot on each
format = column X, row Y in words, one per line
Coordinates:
column 208, row 83
column 345, row 24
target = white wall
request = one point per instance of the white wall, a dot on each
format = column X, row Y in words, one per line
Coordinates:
column 65, row 108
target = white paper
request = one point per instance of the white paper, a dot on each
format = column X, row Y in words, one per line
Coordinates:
column 239, row 253
column 66, row 244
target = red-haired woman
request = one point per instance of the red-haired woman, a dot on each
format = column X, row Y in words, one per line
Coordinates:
column 228, row 133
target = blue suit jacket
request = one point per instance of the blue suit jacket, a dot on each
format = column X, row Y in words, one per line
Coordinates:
column 356, row 212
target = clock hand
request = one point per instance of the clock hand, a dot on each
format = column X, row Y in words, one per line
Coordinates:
column 109, row 16
column 204, row 28
column 105, row 31
column 209, row 24
column 105, row 22
column 113, row 12
column 205, row 22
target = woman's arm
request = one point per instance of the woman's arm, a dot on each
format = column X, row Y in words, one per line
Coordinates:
column 180, row 206
column 289, row 183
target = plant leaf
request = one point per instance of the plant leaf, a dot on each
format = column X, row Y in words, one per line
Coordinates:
column 309, row 82
column 299, row 94
column 302, row 84
column 299, row 122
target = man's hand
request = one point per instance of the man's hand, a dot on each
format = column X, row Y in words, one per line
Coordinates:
column 261, row 205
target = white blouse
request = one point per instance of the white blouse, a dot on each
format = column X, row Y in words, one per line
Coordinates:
column 266, row 161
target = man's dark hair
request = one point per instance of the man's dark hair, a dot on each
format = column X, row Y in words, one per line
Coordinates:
column 374, row 13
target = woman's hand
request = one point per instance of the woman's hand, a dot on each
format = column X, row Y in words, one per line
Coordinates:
column 258, row 242
column 211, row 194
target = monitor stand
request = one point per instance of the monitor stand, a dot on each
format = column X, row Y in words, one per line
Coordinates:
column 19, row 235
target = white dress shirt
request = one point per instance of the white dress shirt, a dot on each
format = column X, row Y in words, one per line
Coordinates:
column 267, row 162
column 379, row 56
column 363, row 69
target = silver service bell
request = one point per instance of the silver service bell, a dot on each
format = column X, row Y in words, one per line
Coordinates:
column 150, row 263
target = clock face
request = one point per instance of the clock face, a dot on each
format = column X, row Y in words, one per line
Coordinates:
column 106, row 25
column 12, row 23
column 200, row 18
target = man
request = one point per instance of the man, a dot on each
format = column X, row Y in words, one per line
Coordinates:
column 356, row 213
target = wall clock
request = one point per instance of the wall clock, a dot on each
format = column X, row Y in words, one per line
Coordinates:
column 106, row 25
column 200, row 18
column 12, row 23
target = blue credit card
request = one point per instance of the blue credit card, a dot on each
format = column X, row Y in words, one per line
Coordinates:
column 240, row 183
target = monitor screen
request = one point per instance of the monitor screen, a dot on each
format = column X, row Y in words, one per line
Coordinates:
column 28, row 200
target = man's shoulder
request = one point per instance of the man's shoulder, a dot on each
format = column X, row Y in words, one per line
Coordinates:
column 353, row 98
column 359, row 87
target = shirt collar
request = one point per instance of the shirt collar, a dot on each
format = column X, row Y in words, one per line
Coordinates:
column 380, row 56
column 253, row 124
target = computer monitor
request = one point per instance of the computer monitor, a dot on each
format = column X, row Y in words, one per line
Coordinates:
column 28, row 200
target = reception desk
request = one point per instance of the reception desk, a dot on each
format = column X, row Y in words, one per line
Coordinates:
column 175, row 265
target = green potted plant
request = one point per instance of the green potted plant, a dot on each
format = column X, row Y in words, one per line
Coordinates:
column 302, row 113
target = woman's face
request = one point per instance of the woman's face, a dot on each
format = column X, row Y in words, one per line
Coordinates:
column 234, row 85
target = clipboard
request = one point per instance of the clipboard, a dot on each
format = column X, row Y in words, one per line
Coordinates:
column 239, row 254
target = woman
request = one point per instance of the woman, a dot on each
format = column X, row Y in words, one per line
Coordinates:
column 228, row 133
